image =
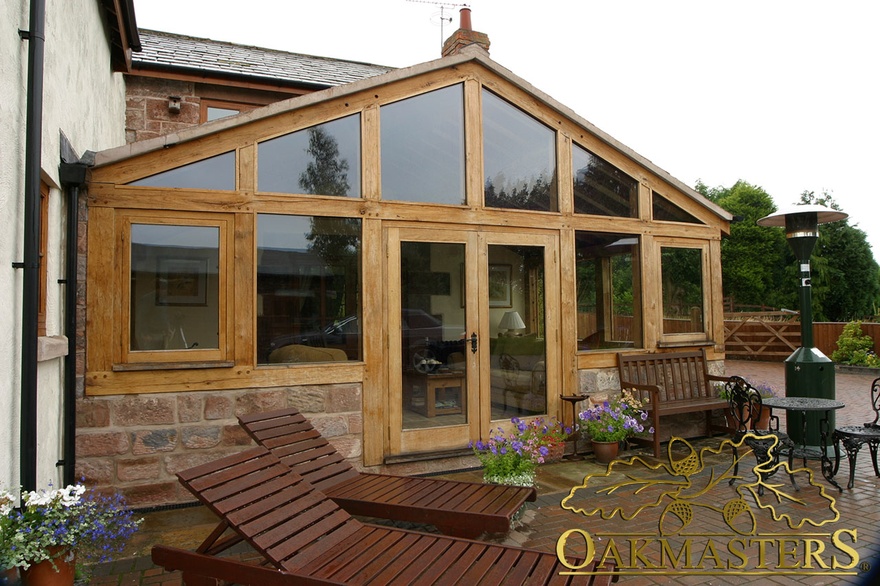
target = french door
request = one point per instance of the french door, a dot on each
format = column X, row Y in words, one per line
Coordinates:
column 472, row 325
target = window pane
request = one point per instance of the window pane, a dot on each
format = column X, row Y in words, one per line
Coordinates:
column 321, row 160
column 215, row 173
column 519, row 157
column 215, row 113
column 665, row 210
column 423, row 148
column 602, row 189
column 175, row 285
column 682, row 273
column 432, row 331
column 308, row 289
column 608, row 291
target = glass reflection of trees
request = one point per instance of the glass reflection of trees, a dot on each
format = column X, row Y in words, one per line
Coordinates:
column 304, row 292
column 519, row 158
column 682, row 274
column 607, row 274
column 321, row 160
column 600, row 188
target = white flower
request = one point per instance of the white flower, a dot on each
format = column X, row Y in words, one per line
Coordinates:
column 71, row 495
column 6, row 502
column 38, row 499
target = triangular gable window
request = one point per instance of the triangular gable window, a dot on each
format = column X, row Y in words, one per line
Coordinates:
column 666, row 211
column 519, row 158
column 600, row 188
column 216, row 173
column 320, row 160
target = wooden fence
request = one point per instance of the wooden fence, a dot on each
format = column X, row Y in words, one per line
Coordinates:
column 773, row 335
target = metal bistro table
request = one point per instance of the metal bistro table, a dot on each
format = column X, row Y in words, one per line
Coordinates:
column 803, row 405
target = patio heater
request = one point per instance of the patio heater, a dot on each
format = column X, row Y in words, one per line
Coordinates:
column 808, row 372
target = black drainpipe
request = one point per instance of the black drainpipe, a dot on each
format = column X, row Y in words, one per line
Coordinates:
column 31, row 265
column 73, row 177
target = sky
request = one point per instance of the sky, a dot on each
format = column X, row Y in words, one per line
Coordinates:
column 782, row 94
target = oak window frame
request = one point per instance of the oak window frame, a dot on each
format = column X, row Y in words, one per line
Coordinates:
column 127, row 358
column 703, row 336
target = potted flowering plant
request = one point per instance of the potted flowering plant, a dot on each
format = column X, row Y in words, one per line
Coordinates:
column 549, row 432
column 613, row 421
column 55, row 527
column 512, row 457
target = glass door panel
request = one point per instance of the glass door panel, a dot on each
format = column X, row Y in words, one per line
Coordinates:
column 431, row 334
column 468, row 331
column 518, row 357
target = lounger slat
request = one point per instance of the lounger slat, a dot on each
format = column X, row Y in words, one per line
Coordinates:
column 464, row 509
column 310, row 539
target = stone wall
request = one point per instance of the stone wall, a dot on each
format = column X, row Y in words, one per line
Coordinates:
column 136, row 443
column 146, row 107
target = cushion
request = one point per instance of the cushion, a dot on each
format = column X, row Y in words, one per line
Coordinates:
column 300, row 353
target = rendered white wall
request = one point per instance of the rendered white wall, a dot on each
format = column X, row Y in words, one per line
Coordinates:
column 85, row 100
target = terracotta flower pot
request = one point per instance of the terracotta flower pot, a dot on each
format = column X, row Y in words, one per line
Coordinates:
column 45, row 574
column 762, row 423
column 605, row 452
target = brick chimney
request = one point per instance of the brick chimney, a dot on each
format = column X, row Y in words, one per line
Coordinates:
column 464, row 36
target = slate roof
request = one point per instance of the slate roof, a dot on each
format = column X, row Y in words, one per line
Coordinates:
column 168, row 51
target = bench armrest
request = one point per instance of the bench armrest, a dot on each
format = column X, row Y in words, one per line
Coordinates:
column 652, row 391
column 719, row 378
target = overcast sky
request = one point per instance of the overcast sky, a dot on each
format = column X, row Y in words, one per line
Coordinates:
column 783, row 94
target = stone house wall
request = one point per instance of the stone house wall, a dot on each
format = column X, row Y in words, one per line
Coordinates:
column 146, row 107
column 136, row 443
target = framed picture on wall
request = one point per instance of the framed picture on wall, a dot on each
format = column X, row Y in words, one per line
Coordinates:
column 182, row 281
column 499, row 286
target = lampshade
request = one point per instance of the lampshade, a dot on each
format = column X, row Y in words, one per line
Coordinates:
column 511, row 321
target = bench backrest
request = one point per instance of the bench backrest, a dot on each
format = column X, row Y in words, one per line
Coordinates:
column 679, row 375
column 291, row 437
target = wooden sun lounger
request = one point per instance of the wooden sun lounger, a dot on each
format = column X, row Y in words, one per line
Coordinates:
column 309, row 539
column 463, row 509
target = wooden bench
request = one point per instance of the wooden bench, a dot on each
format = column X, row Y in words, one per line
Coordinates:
column 464, row 509
column 672, row 383
column 305, row 538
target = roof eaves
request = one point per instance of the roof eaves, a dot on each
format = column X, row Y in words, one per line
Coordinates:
column 208, row 75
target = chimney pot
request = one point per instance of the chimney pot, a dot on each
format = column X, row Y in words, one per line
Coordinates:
column 465, row 19
column 464, row 37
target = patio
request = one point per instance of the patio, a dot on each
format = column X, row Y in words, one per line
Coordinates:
column 545, row 520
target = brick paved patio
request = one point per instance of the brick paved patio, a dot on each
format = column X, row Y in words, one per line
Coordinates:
column 545, row 520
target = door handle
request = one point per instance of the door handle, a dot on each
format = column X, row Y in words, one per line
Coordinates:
column 474, row 342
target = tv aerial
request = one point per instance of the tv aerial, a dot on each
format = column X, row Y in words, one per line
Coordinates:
column 440, row 18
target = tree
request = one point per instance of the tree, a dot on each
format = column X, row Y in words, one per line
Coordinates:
column 335, row 240
column 847, row 275
column 754, row 260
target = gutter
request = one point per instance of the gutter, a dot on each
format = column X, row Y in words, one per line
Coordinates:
column 31, row 265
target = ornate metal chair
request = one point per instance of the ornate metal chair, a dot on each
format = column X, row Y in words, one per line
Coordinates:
column 855, row 436
column 745, row 403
